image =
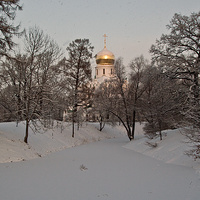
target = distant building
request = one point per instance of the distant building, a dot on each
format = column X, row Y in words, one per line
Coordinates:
column 104, row 69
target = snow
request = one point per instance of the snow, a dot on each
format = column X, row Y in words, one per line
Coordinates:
column 172, row 149
column 12, row 147
column 112, row 168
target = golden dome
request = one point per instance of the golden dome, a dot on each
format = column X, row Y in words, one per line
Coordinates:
column 105, row 57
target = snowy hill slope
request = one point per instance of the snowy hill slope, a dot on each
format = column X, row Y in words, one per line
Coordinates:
column 172, row 149
column 12, row 147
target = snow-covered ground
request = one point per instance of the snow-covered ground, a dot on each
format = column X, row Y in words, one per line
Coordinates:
column 113, row 169
column 172, row 149
column 12, row 147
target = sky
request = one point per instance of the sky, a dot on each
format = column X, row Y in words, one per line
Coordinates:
column 132, row 26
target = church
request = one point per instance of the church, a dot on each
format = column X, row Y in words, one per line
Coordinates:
column 104, row 69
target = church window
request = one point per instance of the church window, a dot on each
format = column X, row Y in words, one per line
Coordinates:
column 103, row 71
column 111, row 71
column 97, row 72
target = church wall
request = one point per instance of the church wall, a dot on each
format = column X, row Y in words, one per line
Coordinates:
column 104, row 70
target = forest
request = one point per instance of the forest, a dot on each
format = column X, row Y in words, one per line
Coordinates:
column 39, row 84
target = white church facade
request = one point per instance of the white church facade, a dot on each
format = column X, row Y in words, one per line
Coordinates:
column 104, row 69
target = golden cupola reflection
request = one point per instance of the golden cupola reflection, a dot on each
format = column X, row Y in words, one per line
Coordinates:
column 105, row 60
column 105, row 57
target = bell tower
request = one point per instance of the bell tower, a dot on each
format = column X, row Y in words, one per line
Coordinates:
column 105, row 63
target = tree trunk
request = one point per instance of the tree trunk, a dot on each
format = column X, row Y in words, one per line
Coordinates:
column 101, row 123
column 133, row 125
column 78, row 123
column 26, row 134
column 129, row 134
column 196, row 85
column 73, row 124
column 160, row 129
column 160, row 133
column 74, row 118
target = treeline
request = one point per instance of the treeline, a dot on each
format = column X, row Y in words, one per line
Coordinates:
column 39, row 85
column 165, row 92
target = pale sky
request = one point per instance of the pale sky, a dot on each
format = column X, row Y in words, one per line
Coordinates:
column 132, row 26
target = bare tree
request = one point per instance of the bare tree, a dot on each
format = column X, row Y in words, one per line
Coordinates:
column 119, row 97
column 136, row 86
column 98, row 111
column 32, row 79
column 7, row 109
column 179, row 54
column 11, row 77
column 78, row 71
column 161, row 103
column 106, row 100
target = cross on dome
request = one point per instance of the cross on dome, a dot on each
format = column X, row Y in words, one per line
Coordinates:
column 105, row 57
column 105, row 60
column 105, row 36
